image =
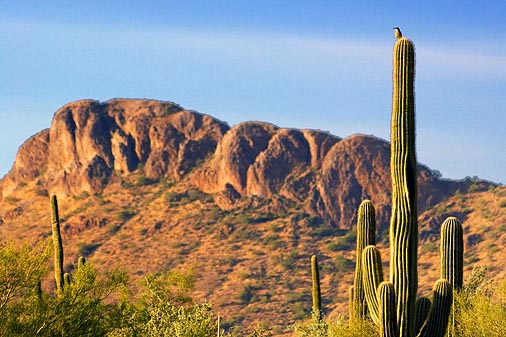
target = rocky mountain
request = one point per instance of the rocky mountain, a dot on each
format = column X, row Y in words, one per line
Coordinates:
column 153, row 181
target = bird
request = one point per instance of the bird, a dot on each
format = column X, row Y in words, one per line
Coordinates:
column 398, row 33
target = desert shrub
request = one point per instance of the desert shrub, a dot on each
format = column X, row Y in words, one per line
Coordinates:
column 246, row 293
column 343, row 265
column 125, row 215
column 142, row 180
column 11, row 199
column 480, row 308
column 313, row 328
column 80, row 310
column 21, row 268
column 341, row 328
column 86, row 249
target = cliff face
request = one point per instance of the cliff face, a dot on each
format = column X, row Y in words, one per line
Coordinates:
column 89, row 142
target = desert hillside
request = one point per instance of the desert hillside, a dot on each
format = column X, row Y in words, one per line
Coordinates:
column 150, row 186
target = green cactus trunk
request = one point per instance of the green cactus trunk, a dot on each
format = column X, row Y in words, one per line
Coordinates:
column 58, row 246
column 403, row 223
column 316, row 293
column 452, row 252
column 366, row 231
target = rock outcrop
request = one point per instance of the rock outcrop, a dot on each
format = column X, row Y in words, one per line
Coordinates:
column 30, row 164
column 89, row 142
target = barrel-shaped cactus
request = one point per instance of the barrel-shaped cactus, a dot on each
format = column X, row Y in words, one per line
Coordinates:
column 366, row 232
column 316, row 293
column 57, row 244
column 452, row 252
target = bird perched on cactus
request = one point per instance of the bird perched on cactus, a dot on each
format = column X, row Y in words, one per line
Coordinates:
column 398, row 33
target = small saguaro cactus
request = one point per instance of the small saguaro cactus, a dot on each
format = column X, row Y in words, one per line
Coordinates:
column 57, row 244
column 366, row 231
column 316, row 293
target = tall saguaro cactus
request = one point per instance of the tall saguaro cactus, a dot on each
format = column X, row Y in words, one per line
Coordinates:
column 392, row 304
column 58, row 246
column 366, row 231
column 403, row 222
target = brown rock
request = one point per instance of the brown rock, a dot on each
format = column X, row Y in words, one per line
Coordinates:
column 31, row 162
column 355, row 169
column 236, row 152
column 89, row 140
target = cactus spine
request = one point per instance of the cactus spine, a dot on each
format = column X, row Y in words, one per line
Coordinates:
column 366, row 231
column 57, row 244
column 452, row 252
column 403, row 223
column 316, row 293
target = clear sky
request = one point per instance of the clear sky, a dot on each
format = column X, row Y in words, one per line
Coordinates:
column 304, row 64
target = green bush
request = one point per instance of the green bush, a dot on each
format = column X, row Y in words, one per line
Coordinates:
column 82, row 309
column 480, row 308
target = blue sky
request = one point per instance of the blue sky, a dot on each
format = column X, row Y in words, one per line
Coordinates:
column 305, row 64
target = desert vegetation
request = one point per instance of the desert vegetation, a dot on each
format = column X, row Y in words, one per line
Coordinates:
column 87, row 302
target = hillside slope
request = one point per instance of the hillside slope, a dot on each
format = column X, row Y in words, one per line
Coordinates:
column 150, row 186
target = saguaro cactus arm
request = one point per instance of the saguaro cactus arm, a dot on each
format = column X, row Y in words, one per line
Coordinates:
column 437, row 322
column 81, row 261
column 423, row 305
column 452, row 252
column 372, row 272
column 387, row 319
column 366, row 232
